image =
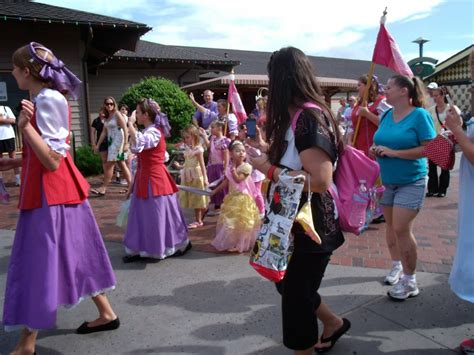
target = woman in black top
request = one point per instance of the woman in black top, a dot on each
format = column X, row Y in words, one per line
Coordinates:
column 312, row 149
column 98, row 126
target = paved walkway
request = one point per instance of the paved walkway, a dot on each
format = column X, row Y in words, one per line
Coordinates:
column 213, row 303
column 207, row 303
column 435, row 230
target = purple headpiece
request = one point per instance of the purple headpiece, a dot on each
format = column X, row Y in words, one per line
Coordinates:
column 61, row 77
column 380, row 87
column 161, row 120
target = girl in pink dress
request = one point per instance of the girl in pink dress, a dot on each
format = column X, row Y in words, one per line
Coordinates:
column 239, row 221
column 257, row 176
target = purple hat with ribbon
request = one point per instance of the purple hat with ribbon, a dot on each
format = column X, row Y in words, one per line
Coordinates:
column 55, row 71
column 380, row 86
column 161, row 120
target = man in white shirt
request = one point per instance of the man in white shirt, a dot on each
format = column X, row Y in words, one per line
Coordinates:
column 7, row 138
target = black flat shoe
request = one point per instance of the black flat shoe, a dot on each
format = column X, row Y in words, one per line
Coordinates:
column 441, row 195
column 181, row 252
column 430, row 194
column 346, row 325
column 112, row 325
column 131, row 258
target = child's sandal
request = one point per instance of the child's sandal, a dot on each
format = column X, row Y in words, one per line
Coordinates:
column 195, row 225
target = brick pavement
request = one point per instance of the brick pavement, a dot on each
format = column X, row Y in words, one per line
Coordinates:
column 435, row 230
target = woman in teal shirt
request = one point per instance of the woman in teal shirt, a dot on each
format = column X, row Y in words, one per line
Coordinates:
column 398, row 145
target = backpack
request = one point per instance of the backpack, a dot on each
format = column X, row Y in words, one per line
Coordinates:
column 354, row 207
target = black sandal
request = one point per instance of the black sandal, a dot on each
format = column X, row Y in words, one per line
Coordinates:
column 346, row 325
column 98, row 192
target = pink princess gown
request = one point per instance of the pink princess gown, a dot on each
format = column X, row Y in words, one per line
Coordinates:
column 239, row 222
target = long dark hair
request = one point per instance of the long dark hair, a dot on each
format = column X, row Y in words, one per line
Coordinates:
column 373, row 90
column 415, row 87
column 292, row 82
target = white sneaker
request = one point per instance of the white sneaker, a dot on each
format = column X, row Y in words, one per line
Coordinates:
column 17, row 181
column 394, row 275
column 403, row 290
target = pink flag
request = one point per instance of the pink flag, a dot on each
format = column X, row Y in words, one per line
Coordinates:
column 387, row 53
column 234, row 99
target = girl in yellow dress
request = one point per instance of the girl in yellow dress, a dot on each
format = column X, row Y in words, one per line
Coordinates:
column 193, row 174
column 239, row 221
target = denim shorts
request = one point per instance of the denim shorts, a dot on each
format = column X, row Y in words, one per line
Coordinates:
column 410, row 196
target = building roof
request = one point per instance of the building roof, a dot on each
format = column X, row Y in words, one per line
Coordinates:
column 35, row 11
column 160, row 52
column 258, row 80
column 103, row 35
column 454, row 59
column 254, row 62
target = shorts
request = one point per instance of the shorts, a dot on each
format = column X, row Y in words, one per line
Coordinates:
column 104, row 146
column 410, row 196
column 7, row 145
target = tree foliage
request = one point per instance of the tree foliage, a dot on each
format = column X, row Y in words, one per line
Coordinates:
column 172, row 100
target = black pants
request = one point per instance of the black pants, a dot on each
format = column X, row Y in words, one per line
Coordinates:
column 300, row 299
column 435, row 184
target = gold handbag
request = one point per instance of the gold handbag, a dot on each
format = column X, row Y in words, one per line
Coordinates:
column 305, row 217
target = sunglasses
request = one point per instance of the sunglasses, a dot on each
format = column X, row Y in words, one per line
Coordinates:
column 109, row 104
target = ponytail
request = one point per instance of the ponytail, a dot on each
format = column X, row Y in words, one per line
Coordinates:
column 415, row 87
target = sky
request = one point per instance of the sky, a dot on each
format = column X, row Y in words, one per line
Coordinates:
column 342, row 28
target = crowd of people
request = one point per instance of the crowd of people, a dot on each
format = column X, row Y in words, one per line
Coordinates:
column 392, row 126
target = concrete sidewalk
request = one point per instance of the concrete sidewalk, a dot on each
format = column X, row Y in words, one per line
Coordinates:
column 207, row 303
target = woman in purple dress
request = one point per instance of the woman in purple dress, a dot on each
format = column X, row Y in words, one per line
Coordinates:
column 156, row 226
column 58, row 254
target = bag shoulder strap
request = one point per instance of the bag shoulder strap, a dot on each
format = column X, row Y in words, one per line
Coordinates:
column 298, row 113
column 385, row 114
column 437, row 116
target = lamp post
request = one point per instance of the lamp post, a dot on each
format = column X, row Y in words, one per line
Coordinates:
column 421, row 41
column 422, row 66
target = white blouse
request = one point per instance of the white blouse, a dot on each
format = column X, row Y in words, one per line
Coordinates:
column 52, row 119
column 147, row 139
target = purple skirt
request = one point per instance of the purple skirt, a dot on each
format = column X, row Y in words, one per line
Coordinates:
column 58, row 258
column 214, row 172
column 156, row 227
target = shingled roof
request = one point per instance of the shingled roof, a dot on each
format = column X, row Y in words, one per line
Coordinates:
column 34, row 11
column 150, row 50
column 253, row 62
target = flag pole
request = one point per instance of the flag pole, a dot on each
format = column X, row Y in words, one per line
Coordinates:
column 365, row 96
column 228, row 105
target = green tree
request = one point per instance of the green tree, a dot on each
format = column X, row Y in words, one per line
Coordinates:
column 172, row 100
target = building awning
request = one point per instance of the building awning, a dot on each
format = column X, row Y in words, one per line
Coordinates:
column 257, row 80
